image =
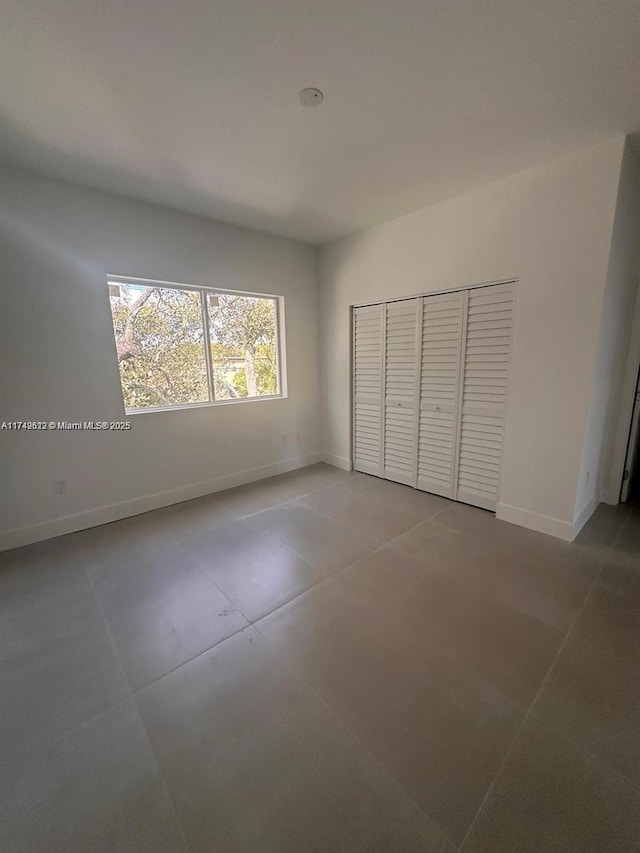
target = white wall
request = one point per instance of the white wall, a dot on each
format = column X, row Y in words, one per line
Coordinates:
column 58, row 362
column 611, row 407
column 549, row 227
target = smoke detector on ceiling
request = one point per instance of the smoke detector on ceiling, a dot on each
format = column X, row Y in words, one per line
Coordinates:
column 311, row 97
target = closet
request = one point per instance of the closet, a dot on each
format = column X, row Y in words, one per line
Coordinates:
column 430, row 378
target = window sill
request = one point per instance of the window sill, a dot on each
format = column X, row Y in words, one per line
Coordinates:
column 208, row 404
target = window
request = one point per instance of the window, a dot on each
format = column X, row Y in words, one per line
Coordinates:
column 185, row 346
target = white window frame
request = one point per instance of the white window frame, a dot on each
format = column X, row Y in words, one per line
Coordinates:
column 281, row 372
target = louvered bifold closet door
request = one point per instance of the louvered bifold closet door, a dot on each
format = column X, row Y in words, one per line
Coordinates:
column 368, row 382
column 484, row 393
column 401, row 343
column 442, row 328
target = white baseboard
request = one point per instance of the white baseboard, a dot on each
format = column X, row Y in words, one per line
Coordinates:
column 113, row 512
column 611, row 496
column 534, row 521
column 582, row 517
column 337, row 461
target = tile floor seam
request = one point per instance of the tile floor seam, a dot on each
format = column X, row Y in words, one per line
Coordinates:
column 266, row 509
column 222, row 592
column 300, row 557
column 355, row 476
column 330, row 518
column 481, row 536
column 191, row 659
column 356, row 738
column 161, row 775
column 389, row 542
column 57, row 737
column 335, row 574
column 603, row 761
column 130, row 697
column 295, row 553
column 281, row 542
column 542, row 561
column 440, row 511
column 278, row 606
column 332, row 575
column 342, row 482
column 531, row 713
column 290, row 502
column 369, row 535
column 462, row 584
column 427, row 520
column 297, row 595
column 435, row 649
column 461, row 668
column 108, row 629
column 187, row 846
column 527, row 715
column 299, row 497
column 459, row 583
column 204, row 571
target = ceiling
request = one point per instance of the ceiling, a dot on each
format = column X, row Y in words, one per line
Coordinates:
column 194, row 103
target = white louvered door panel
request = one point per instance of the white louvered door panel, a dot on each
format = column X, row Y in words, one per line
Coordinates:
column 401, row 344
column 487, row 355
column 442, row 333
column 368, row 387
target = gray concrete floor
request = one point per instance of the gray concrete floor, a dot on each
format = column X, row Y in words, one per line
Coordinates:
column 322, row 662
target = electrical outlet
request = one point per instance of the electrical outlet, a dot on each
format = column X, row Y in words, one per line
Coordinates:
column 60, row 486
